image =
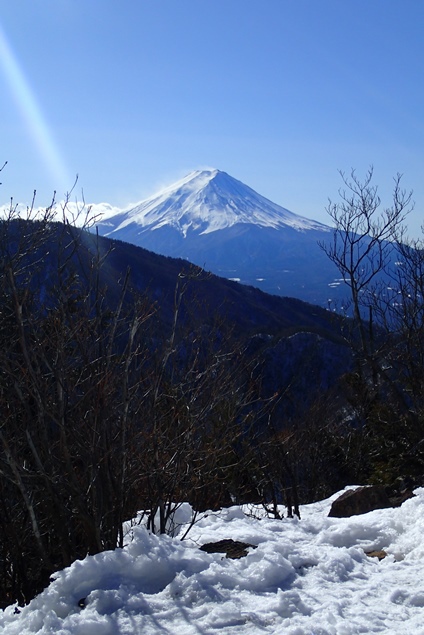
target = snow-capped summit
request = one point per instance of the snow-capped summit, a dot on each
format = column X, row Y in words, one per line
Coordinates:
column 215, row 221
column 206, row 201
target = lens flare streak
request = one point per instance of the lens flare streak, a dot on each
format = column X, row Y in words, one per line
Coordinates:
column 32, row 115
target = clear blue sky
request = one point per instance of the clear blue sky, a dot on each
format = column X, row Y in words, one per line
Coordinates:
column 281, row 94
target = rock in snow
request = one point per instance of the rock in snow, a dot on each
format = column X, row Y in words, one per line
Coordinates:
column 360, row 501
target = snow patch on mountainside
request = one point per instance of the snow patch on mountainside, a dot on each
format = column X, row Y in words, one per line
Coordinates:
column 206, row 201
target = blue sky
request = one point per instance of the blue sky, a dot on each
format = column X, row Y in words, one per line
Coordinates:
column 281, row 94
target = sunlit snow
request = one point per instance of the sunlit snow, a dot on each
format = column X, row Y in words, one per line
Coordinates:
column 306, row 577
column 206, row 201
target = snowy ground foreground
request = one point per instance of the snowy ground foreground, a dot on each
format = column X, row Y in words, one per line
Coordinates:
column 306, row 577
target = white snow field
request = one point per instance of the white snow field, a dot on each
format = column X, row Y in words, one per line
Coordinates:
column 307, row 577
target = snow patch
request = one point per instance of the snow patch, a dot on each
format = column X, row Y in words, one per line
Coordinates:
column 305, row 577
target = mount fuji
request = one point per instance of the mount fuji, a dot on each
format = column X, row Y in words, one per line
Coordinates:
column 215, row 221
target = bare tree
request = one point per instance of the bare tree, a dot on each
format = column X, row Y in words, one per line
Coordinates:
column 68, row 388
column 384, row 272
column 202, row 404
column 363, row 240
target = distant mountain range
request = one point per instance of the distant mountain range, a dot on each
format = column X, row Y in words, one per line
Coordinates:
column 215, row 221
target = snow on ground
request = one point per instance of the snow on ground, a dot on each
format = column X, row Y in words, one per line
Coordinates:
column 307, row 577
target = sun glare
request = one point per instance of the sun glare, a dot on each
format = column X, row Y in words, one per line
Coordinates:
column 32, row 115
